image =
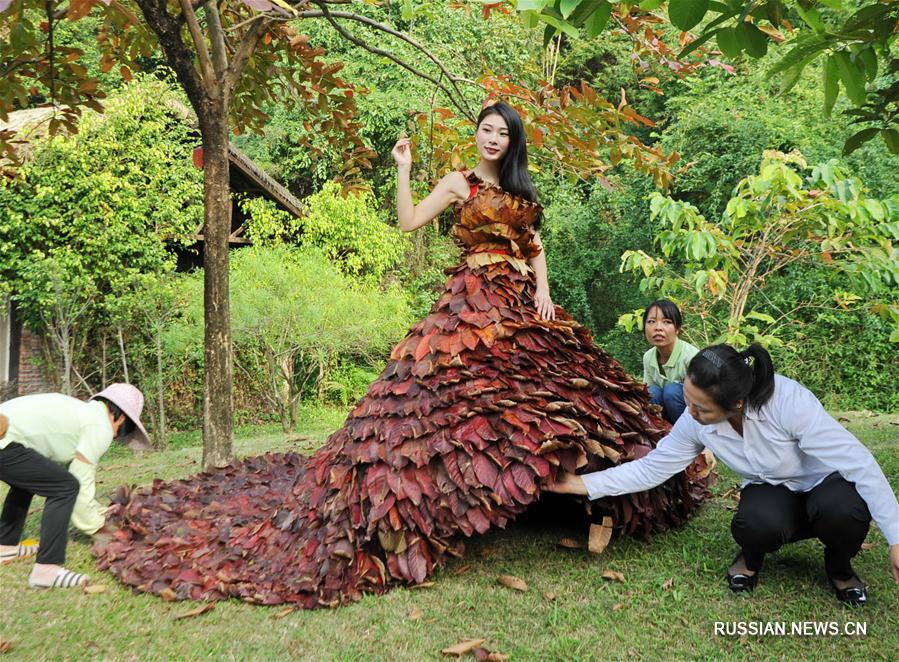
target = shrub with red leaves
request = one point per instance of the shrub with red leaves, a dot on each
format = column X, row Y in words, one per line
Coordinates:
column 479, row 406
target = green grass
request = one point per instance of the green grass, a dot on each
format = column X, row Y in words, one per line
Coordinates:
column 589, row 617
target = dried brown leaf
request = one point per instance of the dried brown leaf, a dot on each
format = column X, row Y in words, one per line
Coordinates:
column 550, row 596
column 92, row 589
column 613, row 576
column 424, row 585
column 415, row 614
column 510, row 581
column 497, row 657
column 461, row 570
column 458, row 650
column 867, row 545
column 5, row 646
column 168, row 595
column 569, row 543
column 284, row 612
column 668, row 583
column 600, row 535
column 618, row 606
column 202, row 609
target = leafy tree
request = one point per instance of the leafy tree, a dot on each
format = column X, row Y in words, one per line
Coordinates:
column 295, row 316
column 102, row 208
column 856, row 40
column 775, row 220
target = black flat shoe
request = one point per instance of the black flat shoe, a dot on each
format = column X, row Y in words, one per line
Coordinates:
column 854, row 596
column 739, row 582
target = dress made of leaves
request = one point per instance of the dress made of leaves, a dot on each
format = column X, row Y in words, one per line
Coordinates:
column 480, row 404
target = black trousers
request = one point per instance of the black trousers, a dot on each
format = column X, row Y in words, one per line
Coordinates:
column 27, row 473
column 770, row 516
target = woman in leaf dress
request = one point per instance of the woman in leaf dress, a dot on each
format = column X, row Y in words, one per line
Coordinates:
column 486, row 400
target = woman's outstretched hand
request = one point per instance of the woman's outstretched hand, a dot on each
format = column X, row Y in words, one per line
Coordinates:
column 567, row 484
column 544, row 304
column 402, row 153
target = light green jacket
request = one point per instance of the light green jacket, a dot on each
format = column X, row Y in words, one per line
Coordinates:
column 675, row 366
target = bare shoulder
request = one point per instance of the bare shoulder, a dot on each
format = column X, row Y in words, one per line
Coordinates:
column 456, row 183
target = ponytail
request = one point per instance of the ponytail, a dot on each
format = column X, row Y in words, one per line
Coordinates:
column 758, row 358
column 729, row 376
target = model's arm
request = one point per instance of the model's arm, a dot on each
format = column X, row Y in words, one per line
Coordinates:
column 542, row 300
column 451, row 189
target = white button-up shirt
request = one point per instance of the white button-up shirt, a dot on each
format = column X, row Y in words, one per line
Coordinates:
column 791, row 441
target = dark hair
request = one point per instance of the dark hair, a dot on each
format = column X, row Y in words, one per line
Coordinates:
column 513, row 171
column 127, row 427
column 669, row 310
column 728, row 375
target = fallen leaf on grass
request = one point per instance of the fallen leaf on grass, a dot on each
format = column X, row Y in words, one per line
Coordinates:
column 461, row 570
column 458, row 650
column 618, row 606
column 5, row 646
column 844, row 419
column 613, row 576
column 424, row 585
column 668, row 583
column 168, row 595
column 894, row 422
column 510, row 581
column 867, row 545
column 284, row 612
column 569, row 543
column 481, row 653
column 415, row 614
column 600, row 535
column 550, row 596
column 209, row 606
column 94, row 588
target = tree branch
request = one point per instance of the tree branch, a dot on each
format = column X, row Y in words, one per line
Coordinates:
column 208, row 71
column 245, row 50
column 217, row 39
column 179, row 57
column 330, row 16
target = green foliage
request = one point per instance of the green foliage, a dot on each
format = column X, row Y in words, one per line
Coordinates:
column 349, row 230
column 295, row 317
column 853, row 37
column 775, row 220
column 103, row 204
column 721, row 123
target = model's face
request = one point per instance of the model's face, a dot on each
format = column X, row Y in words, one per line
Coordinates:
column 659, row 330
column 492, row 138
column 702, row 407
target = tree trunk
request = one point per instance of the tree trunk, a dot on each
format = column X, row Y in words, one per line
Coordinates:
column 217, row 400
column 121, row 337
column 161, row 441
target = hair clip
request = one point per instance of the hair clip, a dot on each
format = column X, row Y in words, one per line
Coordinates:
column 710, row 356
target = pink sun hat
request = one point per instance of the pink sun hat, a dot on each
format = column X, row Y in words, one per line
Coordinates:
column 130, row 400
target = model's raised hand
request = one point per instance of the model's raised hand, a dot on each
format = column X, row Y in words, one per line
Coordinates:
column 402, row 153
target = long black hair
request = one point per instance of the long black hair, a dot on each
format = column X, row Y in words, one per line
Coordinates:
column 728, row 375
column 513, row 171
column 669, row 310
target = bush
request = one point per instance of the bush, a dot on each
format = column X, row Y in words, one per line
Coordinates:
column 295, row 319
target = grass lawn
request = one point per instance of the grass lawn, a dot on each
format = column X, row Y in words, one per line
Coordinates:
column 666, row 608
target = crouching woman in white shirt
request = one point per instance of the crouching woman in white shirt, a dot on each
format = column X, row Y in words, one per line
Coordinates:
column 804, row 475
